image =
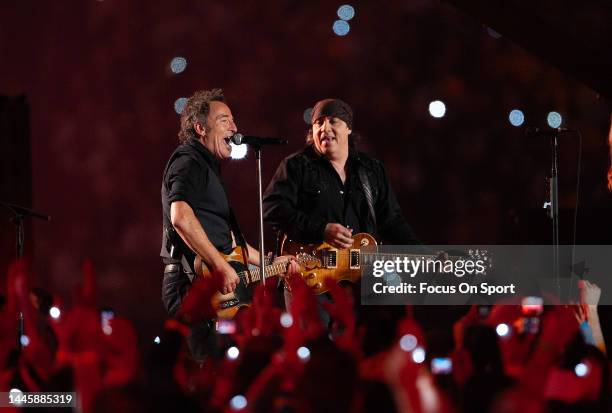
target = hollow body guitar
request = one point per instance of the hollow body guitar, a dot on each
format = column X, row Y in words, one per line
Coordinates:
column 227, row 305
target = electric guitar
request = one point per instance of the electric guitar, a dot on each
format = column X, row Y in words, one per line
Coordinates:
column 346, row 264
column 227, row 305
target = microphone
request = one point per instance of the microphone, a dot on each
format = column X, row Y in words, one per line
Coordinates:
column 239, row 139
column 533, row 131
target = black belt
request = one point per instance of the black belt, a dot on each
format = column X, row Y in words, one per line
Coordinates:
column 172, row 268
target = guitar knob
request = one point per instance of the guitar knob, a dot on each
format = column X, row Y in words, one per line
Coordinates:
column 311, row 276
column 317, row 286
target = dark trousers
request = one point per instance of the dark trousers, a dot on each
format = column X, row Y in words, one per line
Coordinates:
column 202, row 339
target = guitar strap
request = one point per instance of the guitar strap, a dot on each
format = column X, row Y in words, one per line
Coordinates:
column 367, row 190
column 236, row 229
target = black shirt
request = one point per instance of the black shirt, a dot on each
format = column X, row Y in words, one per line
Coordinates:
column 192, row 175
column 306, row 193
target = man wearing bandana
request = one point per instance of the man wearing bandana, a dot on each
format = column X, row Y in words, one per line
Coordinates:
column 329, row 191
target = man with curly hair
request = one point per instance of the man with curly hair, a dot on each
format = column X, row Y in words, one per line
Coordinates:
column 197, row 216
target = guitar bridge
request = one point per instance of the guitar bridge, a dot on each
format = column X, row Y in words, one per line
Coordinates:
column 329, row 258
column 354, row 257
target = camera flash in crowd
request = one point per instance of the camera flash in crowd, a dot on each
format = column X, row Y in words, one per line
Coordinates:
column 303, row 353
column 502, row 330
column 232, row 353
column 581, row 369
column 408, row 342
column 286, row 320
column 418, row 355
column 54, row 312
column 238, row 402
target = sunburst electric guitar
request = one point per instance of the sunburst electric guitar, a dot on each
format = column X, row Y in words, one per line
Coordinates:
column 345, row 264
column 227, row 305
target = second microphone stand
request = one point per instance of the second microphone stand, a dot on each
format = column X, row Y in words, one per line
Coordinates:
column 553, row 208
column 262, row 261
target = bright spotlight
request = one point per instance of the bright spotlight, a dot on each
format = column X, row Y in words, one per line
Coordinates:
column 286, row 320
column 303, row 353
column 178, row 64
column 157, row 340
column 418, row 355
column 24, row 340
column 238, row 402
column 581, row 369
column 341, row 27
column 408, row 342
column 232, row 353
column 179, row 105
column 346, row 12
column 54, row 312
column 554, row 119
column 437, row 109
column 516, row 117
column 239, row 151
column 502, row 330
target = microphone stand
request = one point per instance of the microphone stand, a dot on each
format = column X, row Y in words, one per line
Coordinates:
column 553, row 208
column 262, row 261
column 20, row 213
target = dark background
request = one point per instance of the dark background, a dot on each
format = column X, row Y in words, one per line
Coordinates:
column 102, row 122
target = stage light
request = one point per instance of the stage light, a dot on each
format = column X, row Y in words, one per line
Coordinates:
column 408, row 342
column 341, row 28
column 418, row 355
column 286, row 320
column 308, row 116
column 554, row 119
column 232, row 353
column 502, row 330
column 437, row 109
column 303, row 353
column 24, row 340
column 178, row 64
column 581, row 369
column 179, row 105
column 238, row 402
column 157, row 340
column 346, row 12
column 239, row 151
column 516, row 117
column 54, row 312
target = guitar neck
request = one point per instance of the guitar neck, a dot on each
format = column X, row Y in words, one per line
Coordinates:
column 369, row 256
column 272, row 270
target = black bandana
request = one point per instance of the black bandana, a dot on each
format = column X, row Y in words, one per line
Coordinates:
column 335, row 108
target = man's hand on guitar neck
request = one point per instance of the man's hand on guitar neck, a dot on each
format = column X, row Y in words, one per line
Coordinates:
column 293, row 268
column 228, row 276
column 338, row 236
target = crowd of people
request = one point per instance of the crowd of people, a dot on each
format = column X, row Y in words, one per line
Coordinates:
column 269, row 360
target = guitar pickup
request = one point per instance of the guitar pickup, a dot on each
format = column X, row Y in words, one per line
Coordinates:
column 229, row 303
column 354, row 257
column 329, row 258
